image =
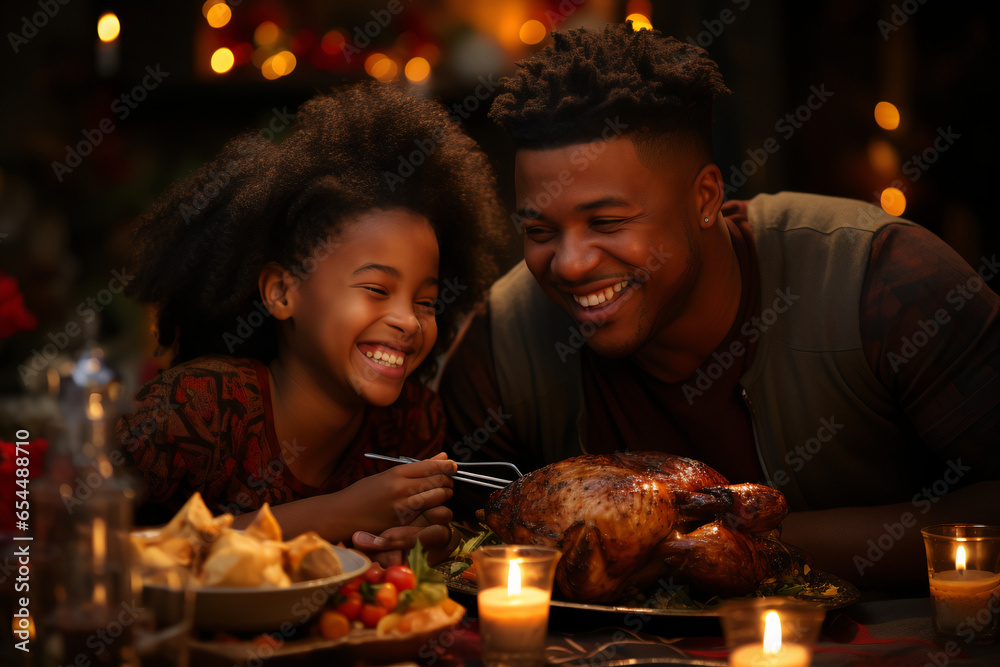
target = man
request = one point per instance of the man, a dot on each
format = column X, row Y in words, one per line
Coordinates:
column 848, row 358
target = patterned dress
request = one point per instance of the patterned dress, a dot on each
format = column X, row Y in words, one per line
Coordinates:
column 207, row 426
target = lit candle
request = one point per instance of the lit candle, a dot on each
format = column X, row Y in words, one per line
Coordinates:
column 514, row 619
column 770, row 653
column 960, row 595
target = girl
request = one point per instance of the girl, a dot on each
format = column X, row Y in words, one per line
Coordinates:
column 298, row 286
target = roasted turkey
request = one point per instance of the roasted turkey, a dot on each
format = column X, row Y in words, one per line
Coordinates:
column 625, row 521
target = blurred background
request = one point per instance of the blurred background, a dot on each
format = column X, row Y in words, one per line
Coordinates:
column 106, row 102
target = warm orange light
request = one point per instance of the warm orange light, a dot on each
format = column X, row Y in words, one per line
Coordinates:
column 639, row 21
column 960, row 558
column 772, row 633
column 417, row 69
column 430, row 52
column 222, row 60
column 887, row 115
column 381, row 67
column 893, row 201
column 514, row 579
column 532, row 32
column 108, row 27
column 208, row 5
column 278, row 65
column 266, row 33
column 883, row 157
column 218, row 15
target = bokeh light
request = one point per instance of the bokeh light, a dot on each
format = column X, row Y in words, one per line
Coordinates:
column 887, row 115
column 108, row 27
column 333, row 42
column 218, row 15
column 417, row 69
column 532, row 32
column 893, row 201
column 222, row 60
column 883, row 157
column 639, row 21
column 266, row 33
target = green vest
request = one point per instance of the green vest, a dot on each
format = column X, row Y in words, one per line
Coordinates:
column 826, row 430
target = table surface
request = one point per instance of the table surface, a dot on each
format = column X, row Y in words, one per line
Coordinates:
column 895, row 632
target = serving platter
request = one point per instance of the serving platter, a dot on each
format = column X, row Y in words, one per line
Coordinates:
column 260, row 609
column 360, row 645
column 654, row 605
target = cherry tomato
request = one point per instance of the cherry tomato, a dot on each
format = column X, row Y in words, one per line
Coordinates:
column 351, row 586
column 374, row 574
column 371, row 614
column 351, row 607
column 387, row 596
column 400, row 576
column 333, row 624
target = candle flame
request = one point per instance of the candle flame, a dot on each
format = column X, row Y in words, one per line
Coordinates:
column 960, row 558
column 514, row 579
column 772, row 632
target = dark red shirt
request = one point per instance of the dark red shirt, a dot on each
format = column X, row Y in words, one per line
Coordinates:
column 207, row 426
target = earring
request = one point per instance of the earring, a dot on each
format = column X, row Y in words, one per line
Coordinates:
column 706, row 221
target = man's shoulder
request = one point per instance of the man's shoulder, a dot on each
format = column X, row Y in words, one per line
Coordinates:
column 791, row 211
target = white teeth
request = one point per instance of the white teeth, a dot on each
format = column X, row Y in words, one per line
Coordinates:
column 386, row 359
column 598, row 298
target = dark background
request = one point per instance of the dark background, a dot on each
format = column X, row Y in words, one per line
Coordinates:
column 61, row 239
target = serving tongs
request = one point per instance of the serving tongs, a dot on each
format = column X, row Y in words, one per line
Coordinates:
column 463, row 475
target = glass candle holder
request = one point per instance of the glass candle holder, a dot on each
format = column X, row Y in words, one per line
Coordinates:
column 515, row 588
column 963, row 568
column 771, row 632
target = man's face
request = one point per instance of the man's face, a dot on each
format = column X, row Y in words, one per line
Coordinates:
column 612, row 241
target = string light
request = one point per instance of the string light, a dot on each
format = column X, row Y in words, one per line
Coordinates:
column 108, row 27
column 887, row 115
column 893, row 201
column 532, row 32
column 222, row 60
column 417, row 69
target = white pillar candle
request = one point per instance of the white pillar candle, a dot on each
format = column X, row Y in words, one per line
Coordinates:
column 771, row 652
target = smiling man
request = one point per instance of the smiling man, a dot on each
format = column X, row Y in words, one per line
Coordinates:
column 803, row 341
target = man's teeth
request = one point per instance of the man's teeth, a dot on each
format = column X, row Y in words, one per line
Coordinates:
column 597, row 298
column 387, row 358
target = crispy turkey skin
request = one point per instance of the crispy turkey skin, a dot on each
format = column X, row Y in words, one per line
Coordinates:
column 623, row 521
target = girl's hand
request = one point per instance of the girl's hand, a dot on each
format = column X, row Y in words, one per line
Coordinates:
column 399, row 495
column 391, row 547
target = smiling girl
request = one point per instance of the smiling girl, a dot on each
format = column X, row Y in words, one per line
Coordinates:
column 298, row 287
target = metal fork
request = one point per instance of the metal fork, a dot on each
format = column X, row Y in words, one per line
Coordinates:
column 463, row 475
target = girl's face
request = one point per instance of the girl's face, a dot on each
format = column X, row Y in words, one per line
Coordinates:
column 363, row 318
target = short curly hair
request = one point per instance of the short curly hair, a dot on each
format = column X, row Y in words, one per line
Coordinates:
column 569, row 91
column 201, row 247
